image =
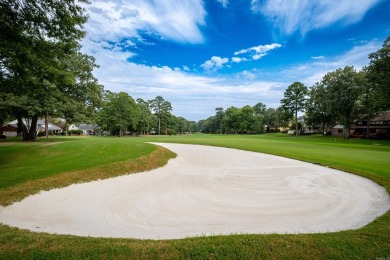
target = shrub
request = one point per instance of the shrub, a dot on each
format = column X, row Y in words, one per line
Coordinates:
column 75, row 132
column 171, row 132
column 3, row 137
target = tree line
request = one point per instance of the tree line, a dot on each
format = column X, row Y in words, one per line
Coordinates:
column 341, row 97
column 120, row 114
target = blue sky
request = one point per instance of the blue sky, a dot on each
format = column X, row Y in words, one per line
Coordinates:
column 200, row 55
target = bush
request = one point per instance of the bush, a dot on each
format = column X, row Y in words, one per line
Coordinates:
column 171, row 132
column 41, row 133
column 75, row 132
column 3, row 137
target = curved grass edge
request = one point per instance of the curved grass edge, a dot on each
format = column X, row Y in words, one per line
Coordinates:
column 157, row 158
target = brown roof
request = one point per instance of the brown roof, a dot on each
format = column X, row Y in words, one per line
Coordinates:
column 383, row 116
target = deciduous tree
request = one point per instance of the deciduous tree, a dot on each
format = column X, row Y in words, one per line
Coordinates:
column 294, row 100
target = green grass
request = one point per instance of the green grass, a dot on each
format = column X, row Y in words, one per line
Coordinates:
column 20, row 161
column 29, row 165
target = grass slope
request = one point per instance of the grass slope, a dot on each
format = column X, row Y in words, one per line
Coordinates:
column 61, row 161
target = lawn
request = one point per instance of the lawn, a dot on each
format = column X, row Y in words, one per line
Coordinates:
column 27, row 168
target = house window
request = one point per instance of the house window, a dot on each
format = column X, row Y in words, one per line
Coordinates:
column 340, row 131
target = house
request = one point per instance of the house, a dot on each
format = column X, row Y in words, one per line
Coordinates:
column 378, row 126
column 303, row 127
column 11, row 128
column 88, row 129
column 338, row 130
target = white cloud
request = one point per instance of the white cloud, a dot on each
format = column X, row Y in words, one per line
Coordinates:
column 290, row 16
column 318, row 57
column 237, row 59
column 174, row 20
column 247, row 75
column 258, row 52
column 214, row 63
column 224, row 3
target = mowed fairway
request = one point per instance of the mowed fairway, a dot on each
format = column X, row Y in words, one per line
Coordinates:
column 28, row 167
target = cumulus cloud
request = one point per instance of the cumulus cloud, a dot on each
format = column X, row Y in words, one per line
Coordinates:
column 238, row 59
column 290, row 16
column 258, row 52
column 214, row 63
column 174, row 20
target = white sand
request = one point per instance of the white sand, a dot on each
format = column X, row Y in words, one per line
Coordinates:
column 206, row 191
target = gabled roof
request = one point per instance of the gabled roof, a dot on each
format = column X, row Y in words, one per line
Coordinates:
column 40, row 122
column 87, row 127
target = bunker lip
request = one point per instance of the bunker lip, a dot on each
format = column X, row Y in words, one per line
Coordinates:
column 206, row 191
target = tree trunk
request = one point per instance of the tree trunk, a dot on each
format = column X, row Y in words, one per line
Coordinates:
column 66, row 127
column 46, row 126
column 22, row 128
column 296, row 122
column 368, row 128
column 30, row 134
column 33, row 128
column 346, row 133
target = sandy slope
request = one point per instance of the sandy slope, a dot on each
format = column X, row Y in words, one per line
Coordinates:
column 204, row 191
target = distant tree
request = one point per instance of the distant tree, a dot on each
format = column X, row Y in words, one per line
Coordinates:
column 270, row 119
column 231, row 120
column 219, row 115
column 378, row 74
column 344, row 88
column 318, row 107
column 146, row 117
column 283, row 117
column 294, row 100
column 248, row 121
column 162, row 109
column 120, row 113
column 259, row 111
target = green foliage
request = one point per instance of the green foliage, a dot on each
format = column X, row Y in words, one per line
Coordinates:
column 75, row 132
column 146, row 120
column 294, row 100
column 119, row 114
column 343, row 89
column 41, row 66
column 162, row 110
column 318, row 110
column 379, row 74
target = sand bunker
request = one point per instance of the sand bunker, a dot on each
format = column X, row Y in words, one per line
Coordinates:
column 206, row 191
